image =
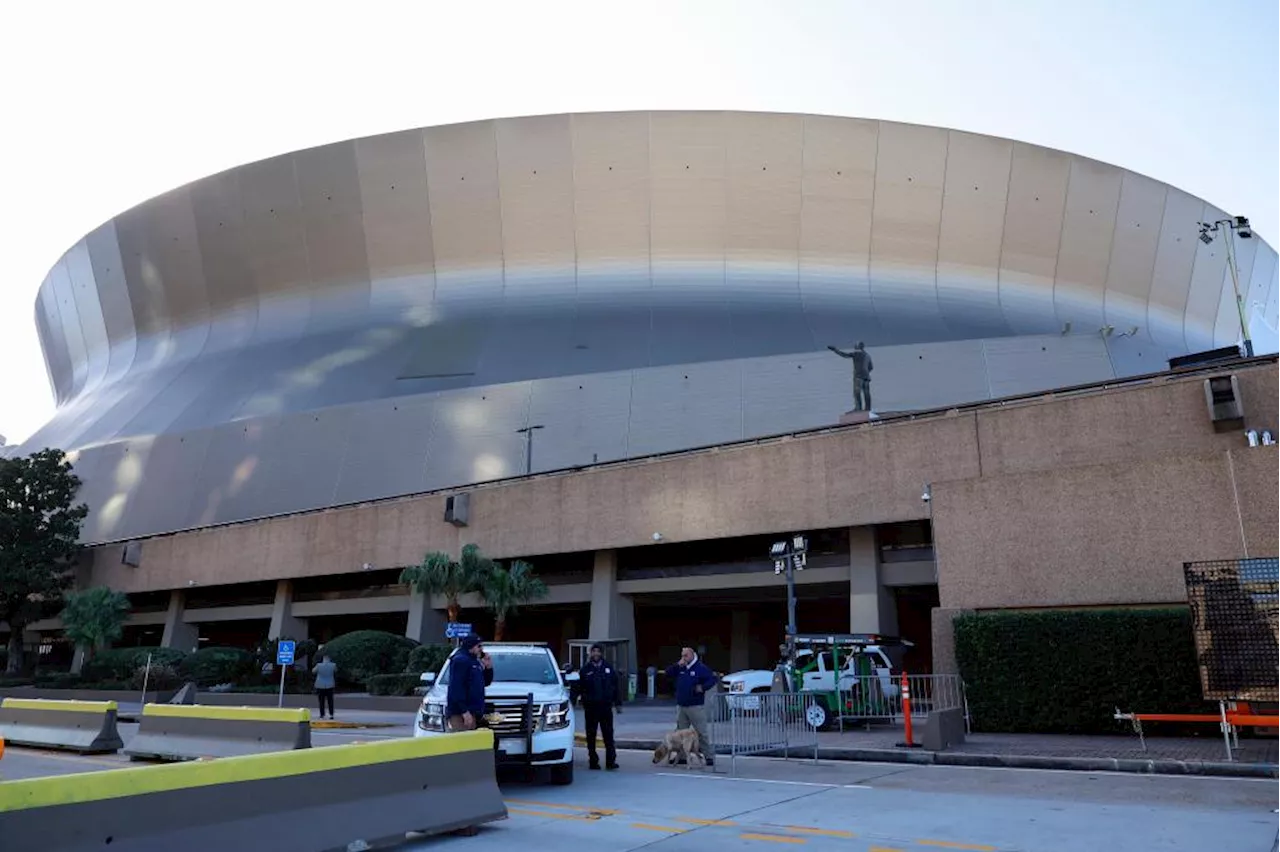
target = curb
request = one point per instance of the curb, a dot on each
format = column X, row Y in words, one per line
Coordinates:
column 919, row 757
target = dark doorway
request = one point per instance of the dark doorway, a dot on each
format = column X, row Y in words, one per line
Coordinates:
column 326, row 628
column 915, row 622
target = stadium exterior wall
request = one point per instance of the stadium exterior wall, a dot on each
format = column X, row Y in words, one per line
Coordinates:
column 378, row 317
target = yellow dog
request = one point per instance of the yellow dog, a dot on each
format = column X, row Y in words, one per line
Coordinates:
column 678, row 744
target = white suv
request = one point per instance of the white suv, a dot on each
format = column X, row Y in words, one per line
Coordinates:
column 527, row 706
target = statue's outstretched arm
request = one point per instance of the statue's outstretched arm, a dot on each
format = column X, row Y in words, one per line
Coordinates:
column 840, row 353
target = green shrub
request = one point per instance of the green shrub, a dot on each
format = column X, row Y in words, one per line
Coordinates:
column 394, row 684
column 210, row 666
column 160, row 678
column 364, row 653
column 59, row 680
column 11, row 682
column 427, row 658
column 119, row 664
column 1067, row 671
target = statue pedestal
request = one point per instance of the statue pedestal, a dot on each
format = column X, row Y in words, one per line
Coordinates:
column 858, row 417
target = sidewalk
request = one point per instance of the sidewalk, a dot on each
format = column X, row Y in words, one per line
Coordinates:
column 643, row 727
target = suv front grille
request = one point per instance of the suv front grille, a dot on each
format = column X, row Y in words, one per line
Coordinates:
column 518, row 718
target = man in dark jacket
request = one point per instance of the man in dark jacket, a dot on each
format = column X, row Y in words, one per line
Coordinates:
column 470, row 671
column 693, row 680
column 598, row 689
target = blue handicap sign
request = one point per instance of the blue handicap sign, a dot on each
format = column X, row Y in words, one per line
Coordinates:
column 284, row 653
column 456, row 630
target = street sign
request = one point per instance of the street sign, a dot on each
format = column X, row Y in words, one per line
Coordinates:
column 284, row 652
column 456, row 630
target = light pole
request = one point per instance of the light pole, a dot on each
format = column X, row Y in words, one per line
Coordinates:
column 528, row 447
column 789, row 557
column 1240, row 225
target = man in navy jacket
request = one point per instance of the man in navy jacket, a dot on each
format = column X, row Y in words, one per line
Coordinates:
column 470, row 671
column 598, row 688
column 693, row 680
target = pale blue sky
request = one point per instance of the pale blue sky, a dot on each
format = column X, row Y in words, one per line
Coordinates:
column 105, row 105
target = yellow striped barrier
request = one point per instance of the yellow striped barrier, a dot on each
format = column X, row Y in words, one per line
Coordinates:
column 88, row 727
column 293, row 801
column 191, row 731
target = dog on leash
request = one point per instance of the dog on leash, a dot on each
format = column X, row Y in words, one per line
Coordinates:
column 680, row 744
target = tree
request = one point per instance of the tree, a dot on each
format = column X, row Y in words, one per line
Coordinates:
column 505, row 590
column 440, row 574
column 39, row 531
column 94, row 618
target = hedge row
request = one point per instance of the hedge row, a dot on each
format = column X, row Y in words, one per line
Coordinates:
column 1068, row 671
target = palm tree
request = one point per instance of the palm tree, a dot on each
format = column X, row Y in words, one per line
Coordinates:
column 440, row 574
column 94, row 618
column 505, row 590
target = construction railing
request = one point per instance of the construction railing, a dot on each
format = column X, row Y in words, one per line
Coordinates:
column 872, row 698
column 770, row 723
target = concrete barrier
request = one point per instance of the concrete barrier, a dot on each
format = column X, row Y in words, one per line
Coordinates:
column 943, row 729
column 293, row 801
column 191, row 731
column 88, row 727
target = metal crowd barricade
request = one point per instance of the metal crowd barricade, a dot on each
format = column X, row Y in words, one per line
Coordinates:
column 769, row 723
column 871, row 698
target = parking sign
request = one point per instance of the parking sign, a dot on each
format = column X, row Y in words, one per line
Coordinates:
column 284, row 652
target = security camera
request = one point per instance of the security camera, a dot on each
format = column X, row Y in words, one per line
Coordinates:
column 657, row 536
column 926, row 497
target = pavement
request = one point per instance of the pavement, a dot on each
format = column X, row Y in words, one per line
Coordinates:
column 828, row 805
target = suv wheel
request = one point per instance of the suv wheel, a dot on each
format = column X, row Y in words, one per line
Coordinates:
column 562, row 774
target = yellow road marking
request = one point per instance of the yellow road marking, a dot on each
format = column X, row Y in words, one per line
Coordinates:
column 884, row 849
column 773, row 838
column 947, row 844
column 560, row 807
column 550, row 815
column 821, row 832
column 693, row 821
column 665, row 828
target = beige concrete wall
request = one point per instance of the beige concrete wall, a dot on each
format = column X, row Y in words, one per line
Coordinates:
column 1111, row 533
column 1045, row 486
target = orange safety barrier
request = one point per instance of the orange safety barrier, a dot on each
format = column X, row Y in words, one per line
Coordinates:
column 906, row 714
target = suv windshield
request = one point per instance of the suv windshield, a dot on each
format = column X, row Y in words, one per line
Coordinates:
column 524, row 668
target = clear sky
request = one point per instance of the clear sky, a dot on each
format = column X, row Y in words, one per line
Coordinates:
column 107, row 104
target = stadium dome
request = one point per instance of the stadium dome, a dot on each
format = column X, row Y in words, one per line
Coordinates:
column 380, row 316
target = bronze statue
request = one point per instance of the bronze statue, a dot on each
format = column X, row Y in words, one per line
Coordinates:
column 861, row 375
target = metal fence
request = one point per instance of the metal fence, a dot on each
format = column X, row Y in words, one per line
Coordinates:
column 874, row 698
column 770, row 723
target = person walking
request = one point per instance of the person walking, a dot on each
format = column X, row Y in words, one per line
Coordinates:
column 600, row 697
column 693, row 679
column 326, row 672
column 470, row 671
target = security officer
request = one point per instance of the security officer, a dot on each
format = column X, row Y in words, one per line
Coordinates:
column 598, row 685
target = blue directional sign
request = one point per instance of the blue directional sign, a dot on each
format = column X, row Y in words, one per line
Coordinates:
column 284, row 652
column 456, row 630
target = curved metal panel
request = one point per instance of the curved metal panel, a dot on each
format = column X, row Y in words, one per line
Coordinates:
column 379, row 316
column 1133, row 254
column 1032, row 233
column 839, row 160
column 906, row 217
column 1084, row 250
column 1171, row 280
column 972, row 231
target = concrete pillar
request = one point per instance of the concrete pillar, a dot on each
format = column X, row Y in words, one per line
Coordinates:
column 283, row 623
column 613, row 615
column 740, row 640
column 944, row 639
column 177, row 633
column 426, row 623
column 872, row 608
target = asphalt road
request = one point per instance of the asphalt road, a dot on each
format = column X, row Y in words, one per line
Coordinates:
column 852, row 807
column 879, row 808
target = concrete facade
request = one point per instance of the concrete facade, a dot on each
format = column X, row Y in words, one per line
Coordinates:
column 1091, row 498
